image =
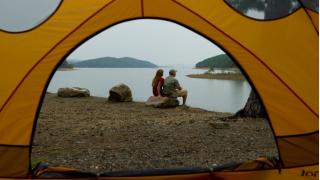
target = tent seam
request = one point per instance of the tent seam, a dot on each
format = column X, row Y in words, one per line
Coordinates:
column 142, row 8
column 38, row 62
column 263, row 63
column 37, row 26
column 14, row 145
column 309, row 17
column 41, row 59
column 298, row 135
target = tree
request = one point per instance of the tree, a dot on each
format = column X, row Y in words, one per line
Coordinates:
column 211, row 69
column 65, row 64
column 271, row 9
column 253, row 108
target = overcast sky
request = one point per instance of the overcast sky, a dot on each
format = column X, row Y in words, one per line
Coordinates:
column 160, row 42
column 20, row 15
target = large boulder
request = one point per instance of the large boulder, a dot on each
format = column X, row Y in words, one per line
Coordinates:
column 162, row 102
column 73, row 92
column 120, row 93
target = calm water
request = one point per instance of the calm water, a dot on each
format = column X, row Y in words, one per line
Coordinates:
column 213, row 95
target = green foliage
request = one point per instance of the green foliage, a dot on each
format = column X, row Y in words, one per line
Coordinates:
column 65, row 64
column 219, row 61
column 37, row 160
column 112, row 62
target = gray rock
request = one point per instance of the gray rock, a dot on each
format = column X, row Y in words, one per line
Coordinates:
column 73, row 92
column 162, row 102
column 120, row 93
column 219, row 125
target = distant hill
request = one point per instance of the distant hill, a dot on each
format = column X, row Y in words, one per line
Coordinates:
column 219, row 61
column 65, row 64
column 71, row 61
column 112, row 62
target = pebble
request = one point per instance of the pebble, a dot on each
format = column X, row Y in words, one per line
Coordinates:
column 122, row 137
column 220, row 125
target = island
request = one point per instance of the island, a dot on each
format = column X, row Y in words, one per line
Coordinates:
column 219, row 67
column 113, row 62
column 65, row 66
column 219, row 61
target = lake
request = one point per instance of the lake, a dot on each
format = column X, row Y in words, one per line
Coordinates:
column 213, row 95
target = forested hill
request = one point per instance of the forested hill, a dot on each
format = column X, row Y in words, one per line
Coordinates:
column 112, row 62
column 219, row 61
column 65, row 64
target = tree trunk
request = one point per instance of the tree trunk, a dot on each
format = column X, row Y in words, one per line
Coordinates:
column 253, row 108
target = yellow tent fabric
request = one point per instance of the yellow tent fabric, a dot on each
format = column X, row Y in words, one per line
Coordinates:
column 279, row 56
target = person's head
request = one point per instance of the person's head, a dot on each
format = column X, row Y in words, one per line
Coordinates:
column 156, row 78
column 172, row 72
column 159, row 73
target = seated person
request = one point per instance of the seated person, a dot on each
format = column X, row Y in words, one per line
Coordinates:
column 157, row 84
column 172, row 88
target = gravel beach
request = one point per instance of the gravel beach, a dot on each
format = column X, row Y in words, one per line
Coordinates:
column 93, row 134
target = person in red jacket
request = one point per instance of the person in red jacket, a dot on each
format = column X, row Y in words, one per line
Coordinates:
column 157, row 83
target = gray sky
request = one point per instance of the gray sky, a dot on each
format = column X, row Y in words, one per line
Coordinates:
column 157, row 41
column 21, row 15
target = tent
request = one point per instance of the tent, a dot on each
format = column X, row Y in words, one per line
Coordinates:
column 279, row 56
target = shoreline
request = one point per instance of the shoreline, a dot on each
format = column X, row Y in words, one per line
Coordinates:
column 220, row 76
column 96, row 135
column 66, row 69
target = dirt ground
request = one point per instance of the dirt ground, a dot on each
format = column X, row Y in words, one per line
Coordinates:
column 95, row 135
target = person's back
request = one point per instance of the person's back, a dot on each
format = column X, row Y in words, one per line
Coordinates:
column 170, row 86
column 157, row 83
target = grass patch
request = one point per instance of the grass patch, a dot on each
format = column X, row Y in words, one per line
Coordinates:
column 37, row 160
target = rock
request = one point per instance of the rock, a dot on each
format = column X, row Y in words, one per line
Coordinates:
column 120, row 93
column 162, row 102
column 73, row 92
column 219, row 125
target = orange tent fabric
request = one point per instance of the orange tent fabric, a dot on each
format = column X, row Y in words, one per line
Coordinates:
column 280, row 57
